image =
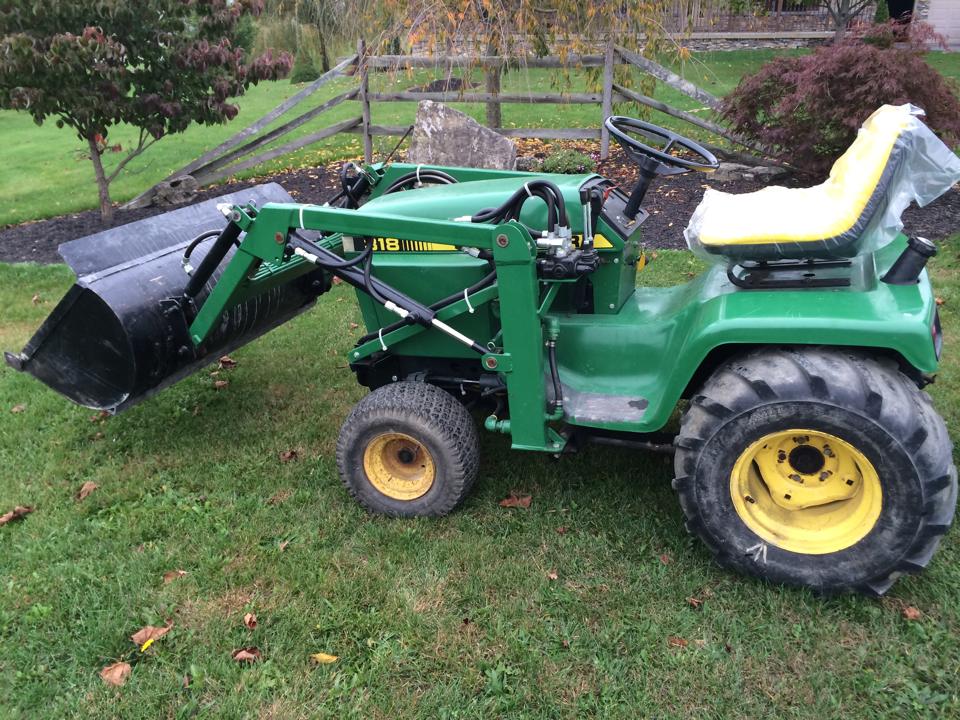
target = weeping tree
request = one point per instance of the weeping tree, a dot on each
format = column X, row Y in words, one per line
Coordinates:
column 519, row 28
column 157, row 65
column 331, row 20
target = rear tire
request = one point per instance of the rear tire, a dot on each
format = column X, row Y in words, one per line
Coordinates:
column 408, row 449
column 740, row 473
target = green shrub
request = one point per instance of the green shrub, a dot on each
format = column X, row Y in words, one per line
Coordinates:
column 568, row 161
column 882, row 13
column 304, row 69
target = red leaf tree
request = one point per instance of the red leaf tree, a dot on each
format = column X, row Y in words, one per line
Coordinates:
column 158, row 65
column 807, row 109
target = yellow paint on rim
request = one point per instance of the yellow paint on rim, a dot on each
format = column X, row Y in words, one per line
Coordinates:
column 806, row 491
column 399, row 466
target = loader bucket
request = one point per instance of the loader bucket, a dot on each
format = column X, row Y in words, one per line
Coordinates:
column 120, row 334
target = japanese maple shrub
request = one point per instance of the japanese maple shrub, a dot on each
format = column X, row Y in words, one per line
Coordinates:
column 807, row 109
column 158, row 65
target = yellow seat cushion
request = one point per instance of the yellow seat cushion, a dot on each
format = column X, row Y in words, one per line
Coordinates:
column 827, row 220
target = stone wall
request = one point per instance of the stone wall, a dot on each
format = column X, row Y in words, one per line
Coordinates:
column 720, row 43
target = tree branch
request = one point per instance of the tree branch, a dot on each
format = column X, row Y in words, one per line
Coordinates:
column 141, row 146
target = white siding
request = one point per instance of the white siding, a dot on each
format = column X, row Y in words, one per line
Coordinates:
column 945, row 18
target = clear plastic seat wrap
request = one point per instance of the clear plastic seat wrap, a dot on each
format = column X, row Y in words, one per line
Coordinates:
column 895, row 159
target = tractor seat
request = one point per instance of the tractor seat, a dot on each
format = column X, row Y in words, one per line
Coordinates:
column 888, row 165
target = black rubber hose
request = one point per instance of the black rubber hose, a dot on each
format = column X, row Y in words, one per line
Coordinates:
column 555, row 375
column 436, row 177
column 227, row 237
column 368, row 284
column 438, row 305
column 330, row 264
column 510, row 210
column 196, row 241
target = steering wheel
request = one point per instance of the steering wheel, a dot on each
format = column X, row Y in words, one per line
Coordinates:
column 620, row 127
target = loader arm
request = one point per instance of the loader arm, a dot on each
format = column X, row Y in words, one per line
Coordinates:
column 271, row 253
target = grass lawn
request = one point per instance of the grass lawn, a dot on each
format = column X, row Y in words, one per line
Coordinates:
column 45, row 172
column 450, row 618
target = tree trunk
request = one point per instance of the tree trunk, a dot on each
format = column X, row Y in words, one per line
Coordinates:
column 103, row 185
column 841, row 18
column 324, row 55
column 494, row 119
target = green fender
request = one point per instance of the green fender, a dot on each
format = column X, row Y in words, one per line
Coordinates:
column 628, row 371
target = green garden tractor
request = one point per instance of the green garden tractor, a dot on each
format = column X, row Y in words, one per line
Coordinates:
column 807, row 454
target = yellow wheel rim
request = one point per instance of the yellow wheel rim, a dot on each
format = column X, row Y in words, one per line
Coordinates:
column 399, row 466
column 806, row 491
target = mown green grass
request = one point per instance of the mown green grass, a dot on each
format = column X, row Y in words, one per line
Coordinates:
column 46, row 172
column 449, row 618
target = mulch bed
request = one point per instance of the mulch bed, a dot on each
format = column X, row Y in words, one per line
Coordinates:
column 670, row 202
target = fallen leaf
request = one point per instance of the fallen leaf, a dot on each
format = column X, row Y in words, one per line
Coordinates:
column 336, row 280
column 728, row 647
column 250, row 621
column 694, row 602
column 150, row 633
column 516, row 501
column 288, row 456
column 280, row 496
column 17, row 409
column 36, row 299
column 562, row 530
column 172, row 575
column 214, row 373
column 353, row 326
column 283, row 545
column 324, row 658
column 16, row 514
column 100, row 416
column 674, row 641
column 97, row 436
column 186, row 681
column 940, row 301
column 226, row 362
column 246, row 655
column 911, row 613
column 88, row 487
column 196, row 410
column 116, row 674
column 220, row 384
column 666, row 559
column 552, row 575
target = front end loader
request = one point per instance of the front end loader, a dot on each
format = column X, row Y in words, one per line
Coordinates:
column 808, row 453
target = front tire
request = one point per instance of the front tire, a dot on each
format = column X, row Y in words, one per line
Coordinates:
column 408, row 449
column 816, row 467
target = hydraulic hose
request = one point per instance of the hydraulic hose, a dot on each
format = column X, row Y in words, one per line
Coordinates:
column 335, row 265
column 431, row 177
column 510, row 210
column 483, row 282
column 227, row 237
column 555, row 376
column 193, row 246
column 367, row 282
column 392, row 299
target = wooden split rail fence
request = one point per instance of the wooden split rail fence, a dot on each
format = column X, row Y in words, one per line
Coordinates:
column 249, row 148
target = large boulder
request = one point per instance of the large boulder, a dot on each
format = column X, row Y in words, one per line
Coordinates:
column 444, row 136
